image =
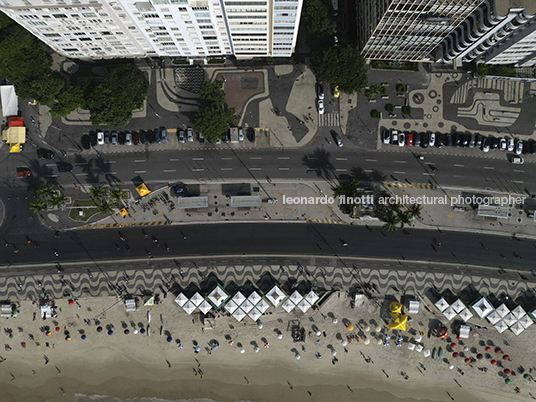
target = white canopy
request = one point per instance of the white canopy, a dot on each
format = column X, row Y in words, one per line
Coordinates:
column 518, row 312
column 465, row 314
column 295, row 297
column 464, row 331
column 218, row 296
column 449, row 313
column 10, row 101
column 502, row 310
column 526, row 321
column 254, row 298
column 189, row 307
column 238, row 298
column 312, row 297
column 419, row 348
column 509, row 320
column 262, row 306
column 276, row 296
column 482, row 307
column 246, row 306
column 181, row 299
column 46, row 311
column 239, row 314
column 231, row 306
column 288, row 306
column 254, row 314
column 414, row 306
column 205, row 307
column 442, row 305
column 517, row 328
column 494, row 317
column 303, row 305
column 458, row 306
column 501, row 326
column 197, row 299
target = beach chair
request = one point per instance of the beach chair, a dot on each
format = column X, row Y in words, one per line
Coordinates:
column 411, row 346
column 427, row 353
column 419, row 348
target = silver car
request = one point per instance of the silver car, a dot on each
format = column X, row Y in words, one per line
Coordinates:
column 128, row 139
column 164, row 135
column 181, row 137
column 431, row 141
column 190, row 134
column 114, row 138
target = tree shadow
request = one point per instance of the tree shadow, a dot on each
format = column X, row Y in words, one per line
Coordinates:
column 319, row 162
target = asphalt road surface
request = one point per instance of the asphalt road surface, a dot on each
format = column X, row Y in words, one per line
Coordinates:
column 273, row 239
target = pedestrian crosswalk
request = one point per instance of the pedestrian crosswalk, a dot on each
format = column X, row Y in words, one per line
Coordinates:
column 331, row 221
column 408, row 185
column 123, row 225
column 329, row 120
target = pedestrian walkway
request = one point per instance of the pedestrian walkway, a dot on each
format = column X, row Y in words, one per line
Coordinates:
column 409, row 185
column 329, row 120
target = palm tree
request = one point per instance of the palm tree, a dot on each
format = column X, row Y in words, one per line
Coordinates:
column 44, row 191
column 37, row 206
column 105, row 208
column 404, row 218
column 57, row 200
column 391, row 220
column 97, row 192
column 415, row 210
column 117, row 195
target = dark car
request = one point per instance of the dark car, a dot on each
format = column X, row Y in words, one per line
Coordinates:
column 439, row 140
column 478, row 140
column 135, row 139
column 143, row 137
column 425, row 140
column 150, row 137
column 465, row 140
column 526, row 148
column 225, row 138
column 417, row 140
column 122, row 138
column 250, row 133
column 86, row 142
column 93, row 138
column 157, row 136
column 494, row 143
column 456, row 139
column 64, row 167
column 106, row 137
column 532, row 146
column 447, row 140
column 45, row 154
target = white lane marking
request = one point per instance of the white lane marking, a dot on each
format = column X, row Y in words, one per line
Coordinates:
column 284, row 169
column 226, row 168
column 139, row 160
column 255, row 168
column 459, row 165
column 341, row 170
column 519, row 171
column 174, row 160
column 52, row 175
column 517, row 181
column 341, row 159
column 110, row 161
column 81, row 174
column 400, row 161
column 51, row 164
column 169, row 171
column 255, row 157
column 226, row 159
column 428, row 174
column 489, row 168
column 198, row 159
column 371, row 160
column 112, row 173
column 369, row 171
column 139, row 171
column 283, row 157
column 198, row 170
column 399, row 172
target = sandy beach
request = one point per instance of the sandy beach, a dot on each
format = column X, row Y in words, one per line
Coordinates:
column 138, row 367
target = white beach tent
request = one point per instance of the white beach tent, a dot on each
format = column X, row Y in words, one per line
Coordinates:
column 518, row 312
column 254, row 314
column 414, row 306
column 196, row 299
column 311, row 297
column 502, row 310
column 275, row 296
column 288, row 306
column 465, row 314
column 517, row 328
column 218, row 296
column 303, row 305
column 501, row 326
column 238, row 298
column 482, row 307
column 449, row 313
column 494, row 317
column 442, row 305
column 458, row 306
column 239, row 314
column 254, row 298
column 246, row 306
column 231, row 306
column 10, row 101
column 526, row 321
column 204, row 307
column 295, row 297
column 510, row 320
column 189, row 307
column 181, row 299
column 262, row 306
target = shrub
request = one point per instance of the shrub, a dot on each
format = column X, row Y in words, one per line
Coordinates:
column 390, row 108
column 406, row 110
column 400, row 88
column 374, row 114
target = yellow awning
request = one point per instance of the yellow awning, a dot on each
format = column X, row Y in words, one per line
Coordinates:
column 148, row 301
column 15, row 134
column 399, row 322
column 14, row 148
column 395, row 308
column 143, row 190
column 123, row 212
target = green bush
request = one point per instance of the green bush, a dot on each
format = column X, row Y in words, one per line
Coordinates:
column 390, row 108
column 400, row 88
column 374, row 114
column 406, row 110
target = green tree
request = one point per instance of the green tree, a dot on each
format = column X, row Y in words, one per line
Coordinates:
column 415, row 210
column 111, row 102
column 44, row 192
column 105, row 208
column 37, row 206
column 98, row 193
column 341, row 65
column 390, row 220
column 374, row 114
column 57, row 200
column 389, row 108
column 211, row 95
column 406, row 110
column 68, row 101
column 400, row 88
column 404, row 219
column 317, row 17
column 117, row 195
column 213, row 122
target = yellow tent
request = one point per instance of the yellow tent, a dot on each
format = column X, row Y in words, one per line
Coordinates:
column 14, row 147
column 15, row 135
column 123, row 212
column 395, row 308
column 148, row 301
column 398, row 322
column 142, row 189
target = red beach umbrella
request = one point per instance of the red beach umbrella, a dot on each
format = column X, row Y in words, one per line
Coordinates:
column 57, row 329
column 467, row 360
column 506, row 357
column 487, row 349
column 507, row 371
column 127, row 332
column 479, row 356
column 493, row 362
column 99, row 329
column 498, row 350
column 453, row 345
column 71, row 302
column 459, row 338
column 455, row 355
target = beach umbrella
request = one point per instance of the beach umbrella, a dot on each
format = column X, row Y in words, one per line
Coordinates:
column 451, row 366
column 48, row 333
column 84, row 336
column 335, row 321
column 333, row 352
column 386, row 343
column 110, row 332
column 242, row 351
column 142, row 331
column 214, row 347
column 479, row 356
column 507, row 371
column 180, row 346
column 135, row 332
column 467, row 360
column 466, row 348
column 498, row 350
column 256, row 349
column 57, row 329
column 318, row 332
column 99, row 329
column 506, row 357
column 197, row 349
column 280, row 336
column 455, row 355
column 493, row 362
column 344, row 342
column 71, row 302
column 67, row 338
column 508, row 381
column 259, row 325
column 10, row 336
column 379, row 341
column 366, row 328
column 126, row 332
column 378, row 329
column 453, row 345
column 350, row 327
column 366, row 341
column 297, row 356
column 526, row 376
column 169, row 339
column 459, row 338
column 487, row 349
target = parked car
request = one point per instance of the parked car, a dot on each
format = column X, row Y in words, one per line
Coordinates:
column 401, row 139
column 494, row 144
column 409, row 139
column 431, row 139
column 502, row 144
column 337, row 139
column 386, row 137
column 23, row 172
column 472, row 141
column 510, row 144
column 320, row 106
column 182, row 137
column 136, row 138
column 532, row 146
column 100, row 138
column 164, row 135
column 143, row 137
column 516, row 160
column 321, row 96
column 394, row 137
column 336, row 92
column 449, row 141
column 151, row 138
column 93, row 138
column 114, row 138
column 157, row 136
column 86, row 142
column 526, row 148
column 45, row 154
column 225, row 138
column 425, row 140
column 240, row 134
column 190, row 134
column 439, row 140
column 456, row 139
column 128, row 139
column 121, row 137
column 485, row 144
column 200, row 138
column 465, row 140
column 106, row 137
column 479, row 140
column 64, row 167
column 416, row 140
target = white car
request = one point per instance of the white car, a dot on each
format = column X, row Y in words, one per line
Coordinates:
column 519, row 147
column 190, row 135
column 320, row 106
column 181, row 136
column 100, row 138
column 401, row 139
column 394, row 137
column 431, row 141
column 510, row 144
column 502, row 144
column 240, row 134
column 321, row 95
column 128, row 139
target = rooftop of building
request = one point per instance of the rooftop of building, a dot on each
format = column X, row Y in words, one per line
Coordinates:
column 503, row 6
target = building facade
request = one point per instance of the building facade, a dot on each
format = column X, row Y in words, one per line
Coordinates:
column 196, row 29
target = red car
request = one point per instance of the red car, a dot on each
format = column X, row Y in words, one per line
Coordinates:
column 135, row 139
column 409, row 139
column 23, row 172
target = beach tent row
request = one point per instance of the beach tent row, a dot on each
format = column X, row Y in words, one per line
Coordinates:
column 458, row 308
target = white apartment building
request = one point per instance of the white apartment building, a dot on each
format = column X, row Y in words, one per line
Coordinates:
column 196, row 29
